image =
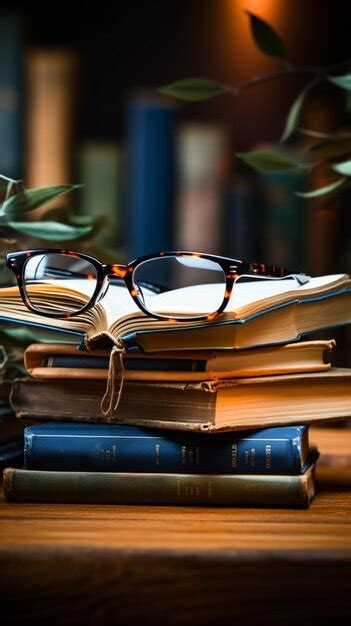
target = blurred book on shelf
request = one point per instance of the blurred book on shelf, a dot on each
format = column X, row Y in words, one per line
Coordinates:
column 51, row 84
column 101, row 169
column 240, row 220
column 202, row 166
column 282, row 219
column 324, row 241
column 150, row 134
column 11, row 94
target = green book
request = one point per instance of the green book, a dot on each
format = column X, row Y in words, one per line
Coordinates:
column 101, row 171
column 164, row 489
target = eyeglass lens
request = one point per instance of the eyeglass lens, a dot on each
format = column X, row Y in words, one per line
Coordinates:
column 45, row 273
column 172, row 275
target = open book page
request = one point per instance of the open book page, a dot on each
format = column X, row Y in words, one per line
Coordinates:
column 116, row 312
column 56, row 297
column 247, row 300
column 118, row 304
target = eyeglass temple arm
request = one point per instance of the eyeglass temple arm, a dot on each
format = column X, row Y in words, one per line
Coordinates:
column 261, row 270
column 302, row 279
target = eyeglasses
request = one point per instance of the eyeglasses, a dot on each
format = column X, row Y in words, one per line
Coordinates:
column 49, row 280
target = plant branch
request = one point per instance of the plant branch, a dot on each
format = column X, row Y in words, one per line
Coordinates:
column 319, row 70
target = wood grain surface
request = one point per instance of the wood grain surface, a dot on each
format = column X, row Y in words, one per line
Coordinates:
column 103, row 564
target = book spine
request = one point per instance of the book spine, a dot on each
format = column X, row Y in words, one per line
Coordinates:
column 283, row 220
column 11, row 88
column 324, row 220
column 202, row 150
column 51, row 78
column 101, row 170
column 240, row 221
column 83, row 450
column 132, row 364
column 166, row 489
column 150, row 175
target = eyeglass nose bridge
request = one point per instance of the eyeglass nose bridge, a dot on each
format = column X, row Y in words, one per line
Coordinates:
column 123, row 273
column 116, row 270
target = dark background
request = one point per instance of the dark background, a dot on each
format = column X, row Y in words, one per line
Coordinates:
column 150, row 43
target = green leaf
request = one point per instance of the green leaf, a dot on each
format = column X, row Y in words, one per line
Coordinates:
column 266, row 161
column 295, row 112
column 64, row 214
column 265, row 37
column 344, row 82
column 21, row 336
column 51, row 231
column 194, row 89
column 31, row 199
column 9, row 187
column 322, row 191
column 313, row 133
column 3, row 357
column 343, row 168
column 88, row 220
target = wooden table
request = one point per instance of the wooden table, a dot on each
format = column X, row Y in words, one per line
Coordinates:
column 99, row 565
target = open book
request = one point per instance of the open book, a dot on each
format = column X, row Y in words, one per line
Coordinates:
column 258, row 313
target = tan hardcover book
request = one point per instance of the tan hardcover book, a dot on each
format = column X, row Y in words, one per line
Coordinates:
column 51, row 78
column 258, row 313
column 202, row 155
column 235, row 404
column 64, row 361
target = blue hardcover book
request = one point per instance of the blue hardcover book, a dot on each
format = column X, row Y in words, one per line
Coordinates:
column 114, row 448
column 240, row 221
column 11, row 126
column 130, row 364
column 150, row 175
column 283, row 224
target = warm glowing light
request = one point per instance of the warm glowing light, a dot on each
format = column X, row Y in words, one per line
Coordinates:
column 236, row 35
column 264, row 8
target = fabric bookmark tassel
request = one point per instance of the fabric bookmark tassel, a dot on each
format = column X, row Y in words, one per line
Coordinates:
column 115, row 380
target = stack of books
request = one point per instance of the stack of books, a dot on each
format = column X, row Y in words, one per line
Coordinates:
column 209, row 413
column 11, row 429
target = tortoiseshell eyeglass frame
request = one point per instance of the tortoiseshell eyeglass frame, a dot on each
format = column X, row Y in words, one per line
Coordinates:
column 232, row 269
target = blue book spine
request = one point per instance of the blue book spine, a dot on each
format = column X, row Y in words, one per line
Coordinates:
column 11, row 124
column 283, row 225
column 240, row 221
column 113, row 448
column 150, row 365
column 150, row 176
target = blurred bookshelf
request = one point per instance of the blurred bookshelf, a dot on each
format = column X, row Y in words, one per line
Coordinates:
column 79, row 103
